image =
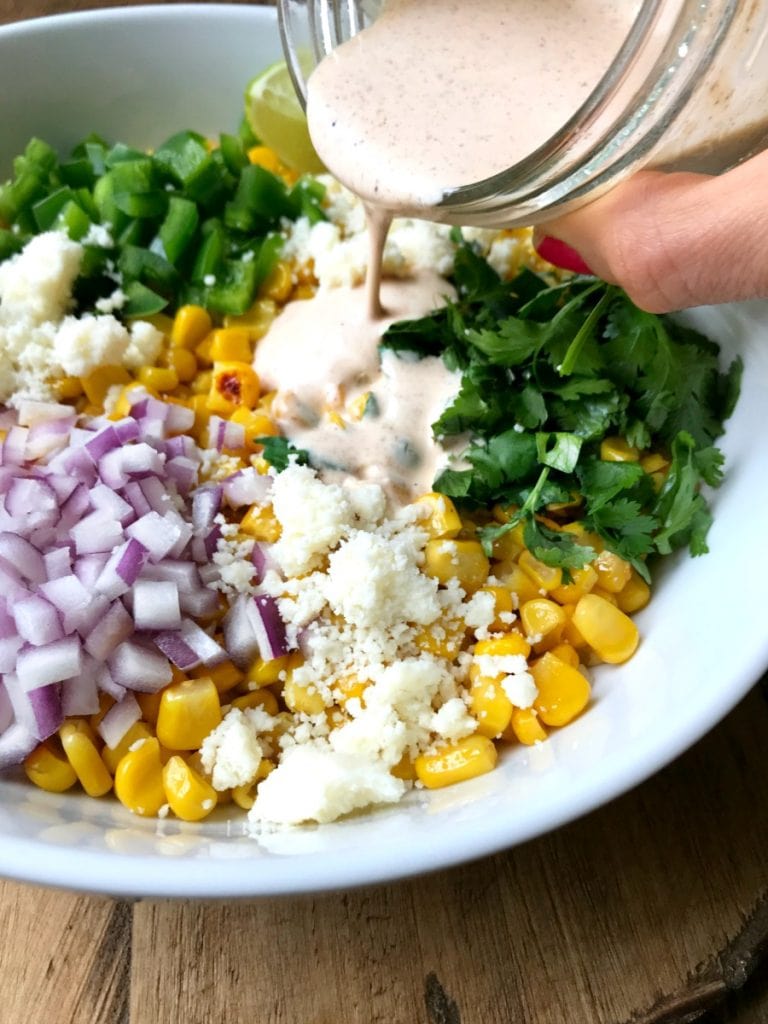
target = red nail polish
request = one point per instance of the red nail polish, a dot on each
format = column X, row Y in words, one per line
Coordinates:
column 561, row 255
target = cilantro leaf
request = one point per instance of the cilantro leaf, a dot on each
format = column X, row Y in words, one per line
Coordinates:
column 280, row 453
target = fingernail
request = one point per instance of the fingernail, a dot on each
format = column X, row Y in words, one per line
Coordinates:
column 561, row 255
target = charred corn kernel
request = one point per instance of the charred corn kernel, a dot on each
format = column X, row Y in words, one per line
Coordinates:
column 519, row 583
column 466, row 759
column 113, row 755
column 503, row 607
column 613, row 573
column 278, row 284
column 97, row 383
column 489, row 706
column 563, row 690
column 225, row 676
column 256, row 424
column 81, row 752
column 139, row 779
column 544, row 619
column 190, row 326
column 183, row 363
column 404, row 769
column 150, row 705
column 306, row 700
column 188, row 794
column 442, row 519
column 161, row 378
column 69, row 387
column 189, row 711
column 49, row 769
column 231, row 344
column 257, row 320
column 463, row 560
column 263, row 698
column 265, row 673
column 582, row 581
column 525, row 727
column 105, row 703
column 265, row 157
column 635, row 595
column 261, row 523
column 233, row 384
column 546, row 577
column 442, row 639
column 565, row 652
column 607, row 629
column 616, row 449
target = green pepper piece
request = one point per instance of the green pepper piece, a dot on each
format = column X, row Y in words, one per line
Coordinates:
column 78, row 174
column 210, row 255
column 134, row 233
column 37, row 154
column 122, row 154
column 181, row 155
column 142, row 301
column 306, row 197
column 45, row 211
column 74, row 220
column 9, row 244
column 80, row 151
column 233, row 153
column 177, row 230
column 267, row 257
column 144, row 205
column 17, row 195
column 209, row 183
column 245, row 132
column 234, row 290
column 109, row 213
column 96, row 154
column 138, row 264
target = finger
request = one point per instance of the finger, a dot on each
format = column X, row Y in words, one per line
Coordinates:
column 675, row 240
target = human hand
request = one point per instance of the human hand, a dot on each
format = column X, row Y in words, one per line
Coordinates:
column 672, row 240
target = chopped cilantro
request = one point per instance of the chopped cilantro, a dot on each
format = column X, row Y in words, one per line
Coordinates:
column 280, row 453
column 548, row 373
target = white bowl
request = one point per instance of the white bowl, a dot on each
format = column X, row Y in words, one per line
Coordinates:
column 139, row 74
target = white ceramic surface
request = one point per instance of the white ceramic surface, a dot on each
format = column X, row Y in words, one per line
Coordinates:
column 139, row 74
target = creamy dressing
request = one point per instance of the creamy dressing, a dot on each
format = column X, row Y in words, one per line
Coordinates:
column 358, row 413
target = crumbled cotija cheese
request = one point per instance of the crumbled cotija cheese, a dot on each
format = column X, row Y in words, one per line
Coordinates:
column 232, row 753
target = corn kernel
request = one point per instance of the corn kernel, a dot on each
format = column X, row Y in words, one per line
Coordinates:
column 139, row 779
column 226, row 675
column 509, row 645
column 525, row 727
column 607, row 630
column 233, row 384
column 616, row 449
column 49, row 769
column 634, row 595
column 113, row 755
column 264, row 699
column 463, row 560
column 582, row 581
column 150, row 705
column 257, row 320
column 613, row 572
column 183, row 363
column 98, row 382
column 231, row 344
column 503, row 606
column 565, row 652
column 81, row 752
column 563, row 690
column 265, row 673
column 161, row 378
column 190, row 326
column 405, row 769
column 543, row 619
column 441, row 639
column 518, row 582
column 442, row 519
column 466, row 759
column 261, row 523
column 265, row 157
column 189, row 711
column 350, row 688
column 545, row 577
column 188, row 794
column 68, row 387
column 303, row 699
column 255, row 424
column 278, row 284
column 490, row 706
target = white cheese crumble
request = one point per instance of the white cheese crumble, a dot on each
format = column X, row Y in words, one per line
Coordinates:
column 232, row 753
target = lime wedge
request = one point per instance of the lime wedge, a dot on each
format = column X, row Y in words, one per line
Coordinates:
column 274, row 113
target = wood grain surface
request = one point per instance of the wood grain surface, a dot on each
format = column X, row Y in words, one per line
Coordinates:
column 653, row 910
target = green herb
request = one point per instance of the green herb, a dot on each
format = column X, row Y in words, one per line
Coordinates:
column 280, row 453
column 549, row 371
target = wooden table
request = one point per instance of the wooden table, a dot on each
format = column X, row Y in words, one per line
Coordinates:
column 653, row 909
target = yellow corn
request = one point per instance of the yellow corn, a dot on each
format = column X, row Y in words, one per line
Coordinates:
column 263, row 698
column 199, row 406
column 139, row 779
column 189, row 711
column 80, row 749
column 161, row 378
column 69, row 387
column 508, row 547
column 231, row 344
column 203, row 351
column 405, row 769
column 466, row 759
column 257, row 320
column 150, row 705
column 113, row 755
column 571, row 635
column 225, row 676
column 306, row 700
column 265, row 673
column 463, row 560
column 442, row 639
column 634, row 595
column 255, row 424
column 350, row 688
column 582, row 581
column 657, row 467
column 49, row 769
column 261, row 523
column 278, row 284
column 563, row 690
column 490, row 706
column 233, row 384
column 565, row 652
column 188, row 794
column 442, row 519
column 616, row 449
column 190, row 326
column 201, row 385
column 183, row 362
column 543, row 619
column 503, row 607
column 518, row 582
column 97, row 383
column 544, row 576
column 265, row 157
column 607, row 629
column 498, row 647
column 245, row 796
column 525, row 727
column 161, row 322
column 613, row 572
column 105, row 703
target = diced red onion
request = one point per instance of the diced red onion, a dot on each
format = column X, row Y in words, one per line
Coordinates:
column 205, row 647
column 183, row 472
column 176, row 649
column 179, row 419
column 9, row 650
column 73, row 509
column 157, row 495
column 114, row 626
column 156, row 604
column 67, row 593
column 204, row 548
column 209, row 574
column 39, row 666
column 239, row 634
column 268, row 626
column 105, row 440
column 263, row 560
column 225, row 434
column 159, row 534
column 15, row 743
column 80, row 695
column 206, row 502
column 246, row 487
column 45, row 438
column 75, row 462
column 183, row 574
column 84, row 619
column 135, row 496
column 107, row 685
column 37, row 621
column 58, row 562
column 104, row 499
column 88, row 568
column 139, row 667
column 127, row 429
column 201, row 603
column 182, row 445
column 122, row 569
column 15, row 446
column 24, row 557
column 6, row 709
column 31, row 412
column 96, row 532
column 118, row 720
column 32, row 503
